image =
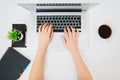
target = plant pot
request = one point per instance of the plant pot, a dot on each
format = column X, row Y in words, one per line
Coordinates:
column 21, row 37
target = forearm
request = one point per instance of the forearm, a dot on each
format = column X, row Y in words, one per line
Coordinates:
column 82, row 70
column 37, row 70
column 45, row 37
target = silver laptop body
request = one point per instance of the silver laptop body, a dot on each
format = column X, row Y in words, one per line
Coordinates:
column 62, row 14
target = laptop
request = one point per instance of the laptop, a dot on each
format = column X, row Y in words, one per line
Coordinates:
column 62, row 15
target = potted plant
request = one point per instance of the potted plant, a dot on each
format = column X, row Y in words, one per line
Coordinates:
column 15, row 35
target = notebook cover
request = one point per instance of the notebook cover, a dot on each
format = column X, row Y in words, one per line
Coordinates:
column 12, row 65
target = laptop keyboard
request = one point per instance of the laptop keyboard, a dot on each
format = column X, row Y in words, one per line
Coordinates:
column 60, row 21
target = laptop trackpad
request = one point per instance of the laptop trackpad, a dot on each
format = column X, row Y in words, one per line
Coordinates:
column 57, row 43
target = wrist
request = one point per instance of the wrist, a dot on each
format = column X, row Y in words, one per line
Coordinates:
column 75, row 52
column 42, row 47
column 41, row 52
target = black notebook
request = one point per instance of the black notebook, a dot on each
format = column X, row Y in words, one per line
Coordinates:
column 12, row 65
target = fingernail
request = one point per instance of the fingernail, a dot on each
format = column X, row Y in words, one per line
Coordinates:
column 66, row 29
column 70, row 28
column 75, row 30
column 46, row 22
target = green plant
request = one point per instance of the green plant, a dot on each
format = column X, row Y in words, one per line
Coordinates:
column 14, row 35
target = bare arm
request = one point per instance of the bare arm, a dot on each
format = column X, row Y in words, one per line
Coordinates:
column 45, row 37
column 70, row 39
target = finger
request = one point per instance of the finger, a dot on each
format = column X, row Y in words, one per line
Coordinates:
column 77, row 34
column 50, row 28
column 52, row 34
column 64, row 39
column 40, row 28
column 66, row 33
column 44, row 26
column 69, row 32
column 50, row 31
column 73, row 32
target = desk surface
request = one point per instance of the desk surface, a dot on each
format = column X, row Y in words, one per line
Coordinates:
column 102, row 57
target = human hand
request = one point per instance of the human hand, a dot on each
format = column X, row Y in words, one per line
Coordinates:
column 70, row 39
column 45, row 35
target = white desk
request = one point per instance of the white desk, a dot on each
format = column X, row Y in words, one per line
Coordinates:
column 102, row 57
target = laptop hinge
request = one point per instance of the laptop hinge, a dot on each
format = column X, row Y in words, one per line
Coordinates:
column 58, row 10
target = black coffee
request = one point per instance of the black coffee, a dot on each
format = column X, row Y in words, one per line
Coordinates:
column 104, row 31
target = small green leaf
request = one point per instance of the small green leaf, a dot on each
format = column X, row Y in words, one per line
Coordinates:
column 13, row 35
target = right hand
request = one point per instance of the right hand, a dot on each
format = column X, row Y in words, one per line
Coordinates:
column 70, row 40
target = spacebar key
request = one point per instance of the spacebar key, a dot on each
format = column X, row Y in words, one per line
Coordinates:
column 60, row 30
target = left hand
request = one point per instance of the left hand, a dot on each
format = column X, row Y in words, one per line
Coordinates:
column 45, row 35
